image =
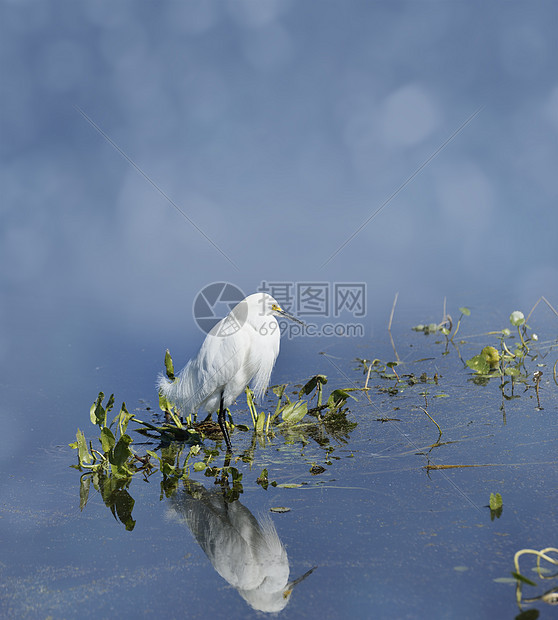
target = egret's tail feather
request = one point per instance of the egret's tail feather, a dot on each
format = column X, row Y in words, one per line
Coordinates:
column 166, row 387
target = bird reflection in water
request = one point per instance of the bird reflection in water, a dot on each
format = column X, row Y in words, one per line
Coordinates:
column 246, row 553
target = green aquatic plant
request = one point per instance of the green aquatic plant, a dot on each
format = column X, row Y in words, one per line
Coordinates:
column 487, row 361
column 264, row 424
column 496, row 506
column 291, row 417
column 495, row 501
column 110, row 465
column 546, row 555
column 511, row 358
column 445, row 326
column 109, row 462
column 113, row 456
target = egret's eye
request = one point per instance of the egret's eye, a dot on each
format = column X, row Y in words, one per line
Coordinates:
column 276, row 308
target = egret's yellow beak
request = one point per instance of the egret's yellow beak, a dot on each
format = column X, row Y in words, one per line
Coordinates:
column 278, row 310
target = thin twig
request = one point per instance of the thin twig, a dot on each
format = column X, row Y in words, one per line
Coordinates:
column 389, row 328
column 433, row 420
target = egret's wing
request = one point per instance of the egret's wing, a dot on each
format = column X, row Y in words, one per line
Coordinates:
column 219, row 360
column 263, row 361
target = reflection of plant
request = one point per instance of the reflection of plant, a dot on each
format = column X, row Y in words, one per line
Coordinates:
column 110, row 463
column 496, row 506
column 111, row 468
column 114, row 492
column 550, row 597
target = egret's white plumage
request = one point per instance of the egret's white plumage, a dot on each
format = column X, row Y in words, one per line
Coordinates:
column 240, row 350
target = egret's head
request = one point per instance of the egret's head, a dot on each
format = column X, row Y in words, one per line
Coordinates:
column 268, row 306
column 253, row 310
column 276, row 309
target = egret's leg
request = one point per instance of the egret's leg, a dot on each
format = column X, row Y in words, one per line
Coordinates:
column 221, row 420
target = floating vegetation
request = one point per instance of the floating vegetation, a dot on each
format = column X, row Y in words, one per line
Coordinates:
column 496, row 506
column 175, row 446
column 331, row 415
column 515, row 357
column 492, row 362
column 110, row 461
column 445, row 326
column 550, row 596
column 112, row 456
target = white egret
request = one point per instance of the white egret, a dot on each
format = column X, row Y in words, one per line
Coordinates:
column 240, row 350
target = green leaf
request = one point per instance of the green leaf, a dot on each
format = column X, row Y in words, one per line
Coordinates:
column 251, row 405
column 495, row 501
column 110, row 403
column 121, row 451
column 520, row 577
column 338, row 398
column 164, row 403
column 278, row 390
column 124, row 418
column 465, row 311
column 153, row 455
column 312, row 384
column 84, row 484
column 294, row 412
column 92, row 415
column 97, row 413
column 83, row 452
column 512, row 372
column 199, row 466
column 260, row 422
column 517, row 318
column 491, row 356
column 169, row 366
column 479, row 364
column 107, row 439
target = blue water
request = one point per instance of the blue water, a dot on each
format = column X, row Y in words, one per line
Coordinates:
column 387, row 537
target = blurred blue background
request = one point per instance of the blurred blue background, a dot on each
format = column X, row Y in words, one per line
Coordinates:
column 278, row 128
